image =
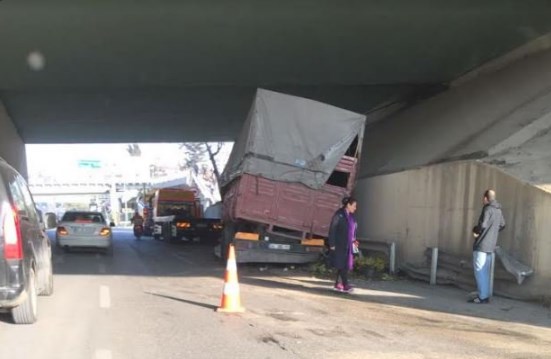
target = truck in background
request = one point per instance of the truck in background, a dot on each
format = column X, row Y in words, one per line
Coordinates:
column 294, row 161
column 175, row 214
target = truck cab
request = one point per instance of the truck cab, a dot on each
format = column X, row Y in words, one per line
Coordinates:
column 178, row 216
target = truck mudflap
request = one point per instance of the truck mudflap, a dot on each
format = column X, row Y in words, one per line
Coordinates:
column 269, row 252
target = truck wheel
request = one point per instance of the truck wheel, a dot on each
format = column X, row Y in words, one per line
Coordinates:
column 26, row 312
column 226, row 239
column 167, row 232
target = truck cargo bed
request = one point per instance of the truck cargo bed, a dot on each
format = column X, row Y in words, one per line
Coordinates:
column 287, row 205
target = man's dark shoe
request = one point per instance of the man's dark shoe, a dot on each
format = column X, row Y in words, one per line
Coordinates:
column 477, row 300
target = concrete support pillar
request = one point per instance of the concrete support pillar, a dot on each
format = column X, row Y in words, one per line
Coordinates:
column 12, row 147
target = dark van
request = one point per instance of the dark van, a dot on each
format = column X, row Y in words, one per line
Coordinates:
column 25, row 251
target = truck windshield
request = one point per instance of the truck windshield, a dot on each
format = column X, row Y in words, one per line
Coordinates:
column 182, row 209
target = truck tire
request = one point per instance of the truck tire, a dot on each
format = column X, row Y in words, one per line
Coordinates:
column 167, row 232
column 26, row 312
column 147, row 232
column 227, row 237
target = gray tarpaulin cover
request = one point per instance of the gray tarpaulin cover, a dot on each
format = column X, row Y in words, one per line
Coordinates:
column 292, row 139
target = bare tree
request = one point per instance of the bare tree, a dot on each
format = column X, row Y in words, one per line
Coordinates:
column 196, row 152
column 134, row 150
column 212, row 151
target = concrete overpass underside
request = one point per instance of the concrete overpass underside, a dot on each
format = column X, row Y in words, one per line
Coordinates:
column 103, row 71
column 130, row 71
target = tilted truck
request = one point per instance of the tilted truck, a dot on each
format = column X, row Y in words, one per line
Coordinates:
column 177, row 214
column 294, row 161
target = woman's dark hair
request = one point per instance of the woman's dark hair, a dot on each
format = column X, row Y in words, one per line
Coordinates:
column 348, row 200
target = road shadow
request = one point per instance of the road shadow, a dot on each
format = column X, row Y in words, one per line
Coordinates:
column 6, row 318
column 413, row 295
column 153, row 258
column 187, row 301
column 146, row 257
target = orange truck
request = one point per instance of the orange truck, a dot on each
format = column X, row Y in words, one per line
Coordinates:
column 177, row 215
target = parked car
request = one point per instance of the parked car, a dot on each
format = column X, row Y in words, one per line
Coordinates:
column 25, row 250
column 84, row 230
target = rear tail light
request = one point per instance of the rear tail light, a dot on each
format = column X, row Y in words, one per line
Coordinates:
column 62, row 231
column 13, row 245
column 217, row 226
column 105, row 231
column 183, row 225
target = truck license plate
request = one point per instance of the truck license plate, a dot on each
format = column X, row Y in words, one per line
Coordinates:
column 284, row 247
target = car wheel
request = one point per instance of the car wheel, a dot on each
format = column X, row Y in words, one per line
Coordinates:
column 26, row 312
column 48, row 287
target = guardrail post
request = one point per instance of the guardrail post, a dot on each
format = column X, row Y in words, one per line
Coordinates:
column 392, row 259
column 492, row 270
column 433, row 266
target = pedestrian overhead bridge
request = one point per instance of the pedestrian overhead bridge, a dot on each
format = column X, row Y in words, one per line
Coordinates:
column 456, row 96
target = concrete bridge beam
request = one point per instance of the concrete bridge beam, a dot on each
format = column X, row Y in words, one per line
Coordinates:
column 12, row 147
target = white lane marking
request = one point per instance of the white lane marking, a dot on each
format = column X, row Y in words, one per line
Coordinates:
column 104, row 297
column 103, row 354
column 101, row 268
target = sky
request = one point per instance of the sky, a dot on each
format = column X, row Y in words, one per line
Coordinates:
column 62, row 160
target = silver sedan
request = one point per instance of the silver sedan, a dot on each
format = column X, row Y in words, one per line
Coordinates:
column 84, row 230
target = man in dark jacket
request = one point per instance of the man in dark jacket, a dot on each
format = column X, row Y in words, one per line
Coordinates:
column 490, row 223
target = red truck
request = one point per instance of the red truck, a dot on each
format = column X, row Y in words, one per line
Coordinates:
column 294, row 161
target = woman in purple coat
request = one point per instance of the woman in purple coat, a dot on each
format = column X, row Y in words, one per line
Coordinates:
column 342, row 239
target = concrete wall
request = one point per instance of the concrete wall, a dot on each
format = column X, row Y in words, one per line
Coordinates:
column 438, row 205
column 12, row 147
column 465, row 121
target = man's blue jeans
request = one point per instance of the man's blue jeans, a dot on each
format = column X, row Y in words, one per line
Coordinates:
column 482, row 262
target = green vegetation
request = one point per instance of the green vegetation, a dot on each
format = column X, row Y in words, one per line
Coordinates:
column 370, row 267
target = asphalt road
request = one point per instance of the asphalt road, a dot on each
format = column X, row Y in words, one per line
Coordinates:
column 156, row 300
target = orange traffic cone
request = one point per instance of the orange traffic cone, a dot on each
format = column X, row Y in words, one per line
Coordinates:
column 231, row 302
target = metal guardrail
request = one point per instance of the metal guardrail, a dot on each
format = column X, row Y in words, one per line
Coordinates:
column 389, row 249
column 434, row 268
